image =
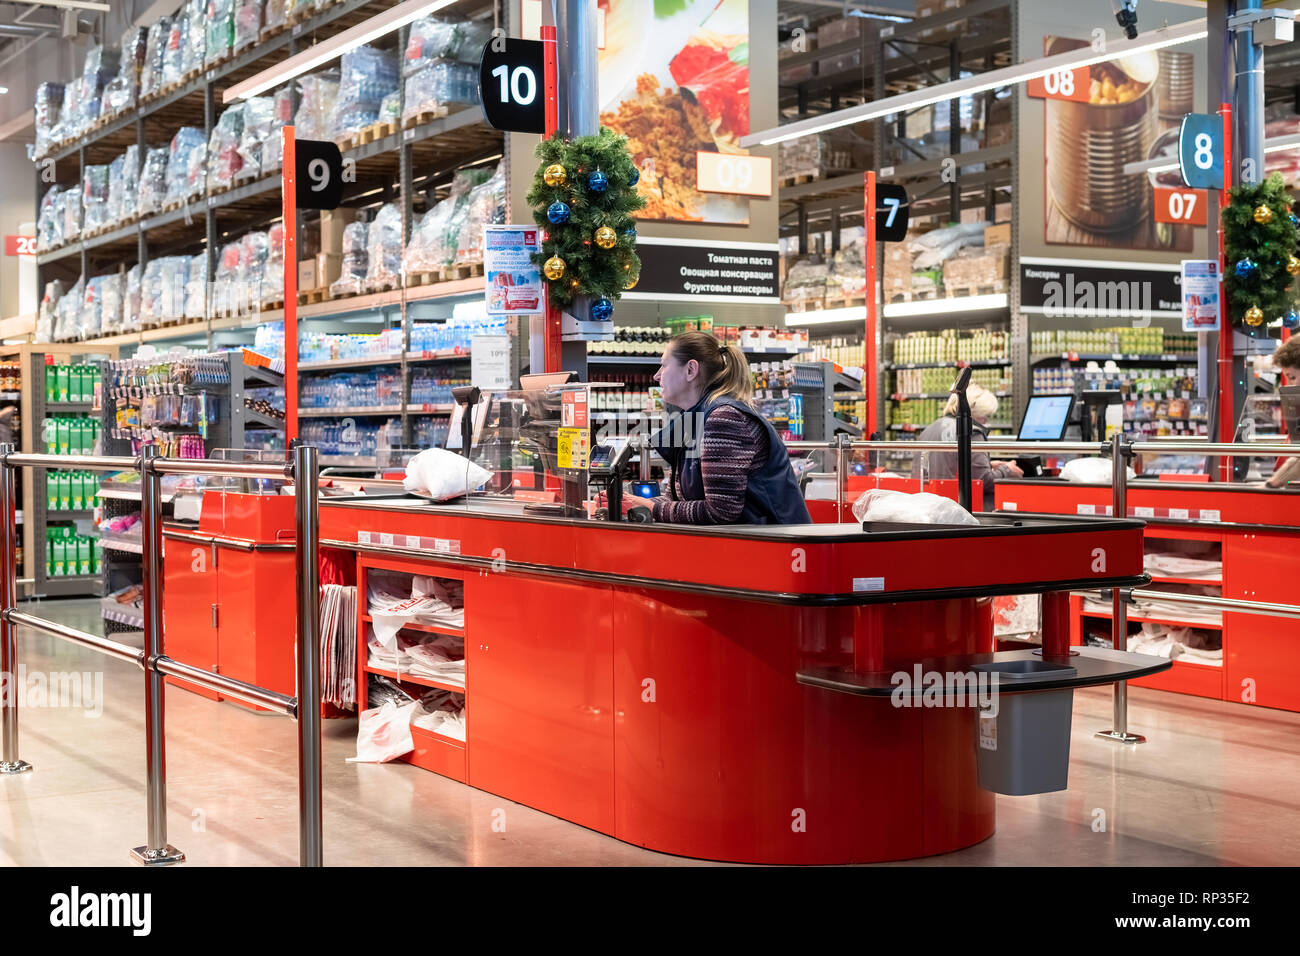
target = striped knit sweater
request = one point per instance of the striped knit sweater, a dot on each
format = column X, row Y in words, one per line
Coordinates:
column 732, row 447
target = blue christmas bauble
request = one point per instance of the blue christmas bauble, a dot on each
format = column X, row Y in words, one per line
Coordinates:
column 558, row 213
column 597, row 182
column 635, row 177
column 630, row 232
column 602, row 310
column 1295, row 220
column 1292, row 319
column 1245, row 269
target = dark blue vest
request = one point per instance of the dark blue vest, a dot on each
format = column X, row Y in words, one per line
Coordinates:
column 772, row 495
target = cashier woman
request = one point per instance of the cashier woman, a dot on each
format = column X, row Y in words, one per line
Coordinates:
column 1287, row 361
column 729, row 466
column 943, row 464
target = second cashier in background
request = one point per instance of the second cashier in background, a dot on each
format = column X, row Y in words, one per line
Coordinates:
column 943, row 464
column 1287, row 361
column 729, row 466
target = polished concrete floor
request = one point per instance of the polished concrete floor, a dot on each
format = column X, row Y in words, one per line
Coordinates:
column 1215, row 784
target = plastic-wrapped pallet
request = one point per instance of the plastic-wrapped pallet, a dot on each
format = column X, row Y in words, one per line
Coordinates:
column 438, row 84
column 69, row 312
column 427, row 249
column 70, row 201
column 366, row 76
column 155, row 55
column 174, row 277
column 120, row 92
column 176, row 50
column 433, row 38
column 281, row 116
column 101, row 65
column 70, row 112
column 224, row 160
column 131, row 299
column 352, row 276
column 485, row 204
column 223, row 284
column 390, row 108
column 384, row 248
column 276, row 13
column 254, row 251
column 221, row 29
column 153, row 181
column 318, row 94
column 258, row 121
column 124, row 185
column 48, row 311
column 94, row 198
column 248, row 23
column 196, row 287
column 49, row 226
column 112, row 290
column 196, row 36
column 183, row 168
column 49, row 103
column 804, row 281
column 272, row 284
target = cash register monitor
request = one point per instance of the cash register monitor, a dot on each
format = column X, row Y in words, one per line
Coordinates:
column 1291, row 412
column 1045, row 418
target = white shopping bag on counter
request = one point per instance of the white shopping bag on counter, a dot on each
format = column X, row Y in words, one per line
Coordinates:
column 384, row 733
column 440, row 474
column 886, row 504
column 1091, row 471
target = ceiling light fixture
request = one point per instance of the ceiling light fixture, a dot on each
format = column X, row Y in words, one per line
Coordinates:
column 73, row 5
column 327, row 50
column 979, row 83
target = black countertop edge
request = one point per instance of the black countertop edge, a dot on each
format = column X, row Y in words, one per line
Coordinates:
column 1062, row 524
column 1181, row 522
column 1140, row 484
column 636, row 582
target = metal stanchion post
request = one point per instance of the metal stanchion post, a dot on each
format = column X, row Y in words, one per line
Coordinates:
column 307, row 531
column 1119, row 596
column 841, row 479
column 157, row 851
column 9, row 762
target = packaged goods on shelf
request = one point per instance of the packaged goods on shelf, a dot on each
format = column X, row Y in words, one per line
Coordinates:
column 272, row 144
column 1125, row 340
column 120, row 91
column 390, row 108
column 434, row 38
column 49, row 226
column 356, row 260
column 48, row 108
column 176, row 51
column 486, row 203
column 67, row 312
column 848, row 277
column 272, row 285
column 438, row 64
column 366, row 76
column 155, row 55
column 276, row 13
column 225, row 294
column 950, row 345
column 101, row 306
column 805, row 281
column 123, row 186
column 318, row 94
column 974, row 266
column 384, row 248
column 934, row 381
column 330, row 346
column 196, row 288
column 48, row 312
column 186, row 164
column 372, row 388
column 153, row 181
column 223, row 156
column 454, row 334
column 68, row 554
column 131, row 299
column 254, row 253
column 70, row 212
column 824, row 154
column 932, row 249
column 839, row 350
column 220, row 30
column 70, row 434
column 162, row 290
column 247, row 24
column 94, row 198
column 438, row 84
column 258, row 126
column 268, row 340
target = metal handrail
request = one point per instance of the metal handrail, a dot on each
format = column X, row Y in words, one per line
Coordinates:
column 304, row 471
column 1264, row 608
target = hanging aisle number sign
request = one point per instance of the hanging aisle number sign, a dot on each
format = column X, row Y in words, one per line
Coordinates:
column 511, row 78
column 1200, row 151
column 1181, row 206
column 893, row 212
column 318, row 169
column 1075, row 85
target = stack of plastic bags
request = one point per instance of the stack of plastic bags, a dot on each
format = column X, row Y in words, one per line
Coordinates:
column 49, row 106
column 452, row 231
column 153, row 181
column 224, row 159
column 259, row 126
column 124, row 186
column 155, row 55
column 49, row 223
column 120, row 92
column 220, row 24
column 162, row 290
column 185, row 164
column 94, row 198
column 366, row 77
column 318, row 94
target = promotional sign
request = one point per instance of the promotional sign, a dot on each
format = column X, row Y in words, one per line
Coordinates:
column 20, row 245
column 318, row 169
column 1200, row 151
column 1201, row 304
column 740, row 175
column 682, row 270
column 1062, row 85
column 489, row 360
column 514, row 283
column 510, row 76
column 1180, row 206
column 892, row 212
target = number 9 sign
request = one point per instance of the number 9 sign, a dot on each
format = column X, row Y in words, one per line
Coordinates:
column 318, row 168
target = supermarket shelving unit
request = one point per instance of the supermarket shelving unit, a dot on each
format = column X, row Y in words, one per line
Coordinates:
column 403, row 167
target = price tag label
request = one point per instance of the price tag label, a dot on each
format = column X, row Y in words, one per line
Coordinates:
column 1010, row 506
column 363, row 537
column 1144, row 512
column 1208, row 515
column 408, row 135
column 446, row 545
column 1073, row 85
column 385, row 539
column 1180, row 514
column 988, row 731
column 868, row 584
column 1086, row 510
column 1184, row 206
column 413, row 541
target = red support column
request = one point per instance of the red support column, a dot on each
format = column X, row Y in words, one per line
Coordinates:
column 289, row 211
column 869, row 340
column 1056, row 624
column 552, row 327
column 1227, row 407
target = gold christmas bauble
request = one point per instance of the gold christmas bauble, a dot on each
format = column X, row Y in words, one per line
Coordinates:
column 1263, row 215
column 554, row 175
column 1292, row 265
column 606, row 237
column 631, row 284
column 554, row 268
column 1254, row 315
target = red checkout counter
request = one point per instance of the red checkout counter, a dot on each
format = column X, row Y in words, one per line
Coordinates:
column 1255, row 531
column 724, row 692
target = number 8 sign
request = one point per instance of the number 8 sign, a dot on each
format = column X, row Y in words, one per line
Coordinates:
column 1200, row 151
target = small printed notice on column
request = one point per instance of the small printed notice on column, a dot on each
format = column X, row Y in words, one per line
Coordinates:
column 1200, row 285
column 489, row 361
column 514, row 283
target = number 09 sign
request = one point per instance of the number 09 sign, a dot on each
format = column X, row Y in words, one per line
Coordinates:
column 318, row 170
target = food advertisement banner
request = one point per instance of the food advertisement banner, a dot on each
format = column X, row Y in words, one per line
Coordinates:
column 1079, row 129
column 674, row 79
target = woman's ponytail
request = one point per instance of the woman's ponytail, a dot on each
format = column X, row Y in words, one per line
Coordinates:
column 726, row 370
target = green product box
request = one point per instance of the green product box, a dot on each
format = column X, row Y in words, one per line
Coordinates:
column 97, row 549
column 79, row 430
column 64, row 479
column 78, row 490
column 59, row 549
column 49, row 553
column 63, row 436
column 52, row 491
column 84, row 559
column 61, row 384
column 87, row 383
column 51, row 391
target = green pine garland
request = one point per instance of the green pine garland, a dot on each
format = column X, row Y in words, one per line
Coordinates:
column 1269, row 245
column 589, row 269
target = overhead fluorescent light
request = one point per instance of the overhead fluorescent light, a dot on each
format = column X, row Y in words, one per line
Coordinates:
column 980, row 83
column 321, row 53
column 73, row 5
column 961, row 303
column 826, row 316
column 3, row 90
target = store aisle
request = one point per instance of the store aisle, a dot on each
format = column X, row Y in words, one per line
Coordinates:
column 1212, row 779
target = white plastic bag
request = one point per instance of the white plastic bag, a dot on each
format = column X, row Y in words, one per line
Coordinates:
column 886, row 504
column 1090, row 471
column 384, row 733
column 443, row 475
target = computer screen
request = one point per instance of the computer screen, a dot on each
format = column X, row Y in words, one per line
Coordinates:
column 1045, row 418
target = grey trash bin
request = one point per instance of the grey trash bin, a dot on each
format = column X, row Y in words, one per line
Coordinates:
column 1025, row 747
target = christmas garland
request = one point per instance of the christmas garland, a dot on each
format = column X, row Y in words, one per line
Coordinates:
column 583, row 197
column 1260, row 235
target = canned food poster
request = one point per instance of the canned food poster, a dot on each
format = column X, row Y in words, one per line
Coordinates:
column 674, row 79
column 514, row 284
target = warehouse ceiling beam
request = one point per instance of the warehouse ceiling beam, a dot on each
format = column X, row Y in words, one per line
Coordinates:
column 1006, row 76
